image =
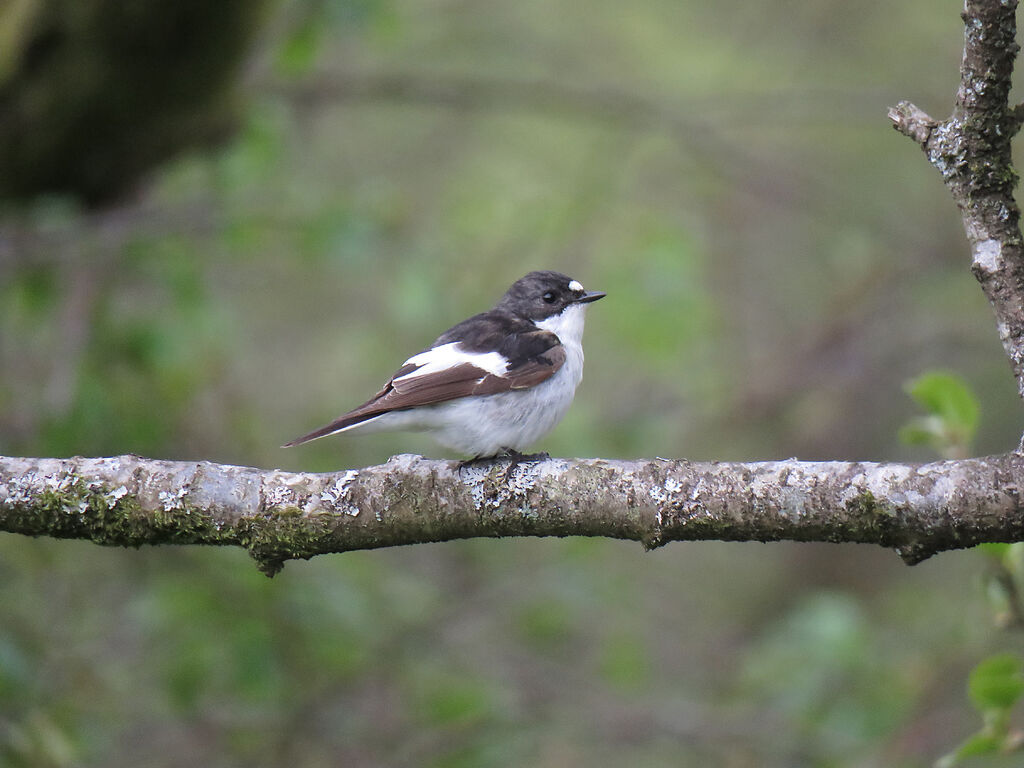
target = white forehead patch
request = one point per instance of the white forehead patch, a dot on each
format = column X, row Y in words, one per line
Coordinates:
column 575, row 285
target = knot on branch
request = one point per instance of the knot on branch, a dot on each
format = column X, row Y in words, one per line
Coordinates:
column 913, row 122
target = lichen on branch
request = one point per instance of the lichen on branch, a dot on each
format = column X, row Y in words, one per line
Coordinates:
column 972, row 151
column 276, row 516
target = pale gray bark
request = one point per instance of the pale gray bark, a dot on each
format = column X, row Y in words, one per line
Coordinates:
column 131, row 501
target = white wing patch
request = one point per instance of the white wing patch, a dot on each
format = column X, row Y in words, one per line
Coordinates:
column 449, row 355
column 575, row 285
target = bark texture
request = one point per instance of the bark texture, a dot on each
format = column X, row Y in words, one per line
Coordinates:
column 131, row 501
column 971, row 149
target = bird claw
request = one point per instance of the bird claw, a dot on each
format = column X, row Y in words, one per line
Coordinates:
column 514, row 459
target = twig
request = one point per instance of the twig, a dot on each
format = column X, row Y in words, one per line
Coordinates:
column 971, row 149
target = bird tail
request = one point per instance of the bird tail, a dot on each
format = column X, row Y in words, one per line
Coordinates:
column 348, row 421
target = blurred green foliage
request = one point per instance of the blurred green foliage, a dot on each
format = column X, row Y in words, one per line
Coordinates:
column 822, row 646
column 994, row 687
column 778, row 262
column 995, row 684
column 952, row 414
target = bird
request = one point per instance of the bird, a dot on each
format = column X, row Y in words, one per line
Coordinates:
column 492, row 385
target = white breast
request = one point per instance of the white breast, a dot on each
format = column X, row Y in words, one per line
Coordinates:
column 484, row 426
column 567, row 326
column 516, row 420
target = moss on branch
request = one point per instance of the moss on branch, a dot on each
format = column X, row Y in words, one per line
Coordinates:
column 278, row 516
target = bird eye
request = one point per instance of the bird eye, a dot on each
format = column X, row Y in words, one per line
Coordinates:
column 549, row 297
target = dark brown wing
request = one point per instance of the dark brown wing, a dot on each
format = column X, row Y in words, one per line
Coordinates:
column 528, row 374
column 534, row 357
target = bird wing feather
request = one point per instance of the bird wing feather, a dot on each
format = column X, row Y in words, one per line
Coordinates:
column 533, row 356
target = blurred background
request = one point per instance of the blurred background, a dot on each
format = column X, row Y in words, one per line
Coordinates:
column 221, row 227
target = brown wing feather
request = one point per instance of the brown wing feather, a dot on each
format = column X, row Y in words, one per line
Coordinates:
column 531, row 373
column 403, row 391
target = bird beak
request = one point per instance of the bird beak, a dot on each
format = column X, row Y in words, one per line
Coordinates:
column 590, row 296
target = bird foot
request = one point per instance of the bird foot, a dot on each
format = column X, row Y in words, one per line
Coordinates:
column 514, row 459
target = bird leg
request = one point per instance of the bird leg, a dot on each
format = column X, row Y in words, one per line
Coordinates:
column 514, row 458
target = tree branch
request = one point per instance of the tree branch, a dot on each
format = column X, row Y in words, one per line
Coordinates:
column 130, row 501
column 971, row 149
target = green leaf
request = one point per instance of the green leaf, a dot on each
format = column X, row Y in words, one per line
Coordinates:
column 923, row 430
column 996, row 683
column 947, row 396
column 952, row 413
column 995, row 549
column 980, row 743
